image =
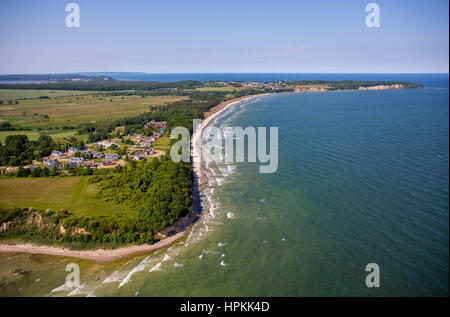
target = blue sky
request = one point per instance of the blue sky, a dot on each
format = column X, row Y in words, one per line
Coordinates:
column 174, row 36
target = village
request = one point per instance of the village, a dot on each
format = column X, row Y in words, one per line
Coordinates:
column 105, row 153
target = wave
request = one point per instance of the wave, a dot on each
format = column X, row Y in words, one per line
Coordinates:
column 81, row 290
column 230, row 215
column 114, row 277
column 140, row 267
column 62, row 288
column 156, row 268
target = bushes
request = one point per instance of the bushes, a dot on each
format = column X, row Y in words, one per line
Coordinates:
column 160, row 190
column 77, row 233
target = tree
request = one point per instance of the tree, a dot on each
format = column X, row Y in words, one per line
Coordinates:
column 16, row 144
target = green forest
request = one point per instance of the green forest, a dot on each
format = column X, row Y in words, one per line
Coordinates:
column 159, row 192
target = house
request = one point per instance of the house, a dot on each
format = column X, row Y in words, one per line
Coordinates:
column 105, row 143
column 72, row 150
column 158, row 124
column 50, row 162
column 56, row 153
column 148, row 152
column 98, row 155
column 148, row 142
column 112, row 156
column 76, row 160
column 90, row 163
column 107, row 163
column 137, row 156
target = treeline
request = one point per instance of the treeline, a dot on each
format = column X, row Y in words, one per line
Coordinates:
column 18, row 150
column 160, row 190
column 65, row 229
column 6, row 126
column 52, row 77
column 354, row 84
column 178, row 113
column 107, row 85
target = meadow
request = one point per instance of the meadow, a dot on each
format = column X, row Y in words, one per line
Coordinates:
column 71, row 111
column 72, row 193
column 162, row 144
column 56, row 135
column 9, row 94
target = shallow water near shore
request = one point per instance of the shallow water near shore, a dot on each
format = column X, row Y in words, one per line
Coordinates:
column 362, row 178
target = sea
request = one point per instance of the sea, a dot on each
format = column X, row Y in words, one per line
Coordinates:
column 362, row 179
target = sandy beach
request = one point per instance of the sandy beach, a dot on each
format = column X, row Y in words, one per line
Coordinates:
column 108, row 256
column 100, row 256
column 196, row 137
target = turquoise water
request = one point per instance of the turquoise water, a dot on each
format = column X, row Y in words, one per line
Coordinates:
column 363, row 177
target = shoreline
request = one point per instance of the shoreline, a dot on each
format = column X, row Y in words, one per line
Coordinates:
column 184, row 224
column 109, row 256
column 196, row 136
column 103, row 256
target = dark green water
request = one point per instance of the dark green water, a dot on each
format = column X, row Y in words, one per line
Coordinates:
column 363, row 177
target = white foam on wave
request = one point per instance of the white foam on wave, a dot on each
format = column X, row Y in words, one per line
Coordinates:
column 114, row 277
column 62, row 288
column 220, row 244
column 224, row 170
column 178, row 265
column 156, row 268
column 212, row 222
column 231, row 168
column 81, row 290
column 223, row 263
column 166, row 258
column 220, row 181
column 140, row 267
column 209, row 252
column 91, row 294
column 230, row 215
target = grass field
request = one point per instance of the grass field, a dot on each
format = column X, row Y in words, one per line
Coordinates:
column 71, row 193
column 71, row 111
column 7, row 94
column 34, row 135
column 162, row 143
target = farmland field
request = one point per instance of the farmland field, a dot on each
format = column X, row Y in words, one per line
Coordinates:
column 72, row 193
column 34, row 135
column 71, row 111
column 6, row 94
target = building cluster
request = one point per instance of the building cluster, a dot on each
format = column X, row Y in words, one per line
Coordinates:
column 259, row 85
column 75, row 157
column 162, row 126
column 253, row 84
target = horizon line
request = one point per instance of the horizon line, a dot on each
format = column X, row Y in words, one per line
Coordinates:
column 173, row 73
